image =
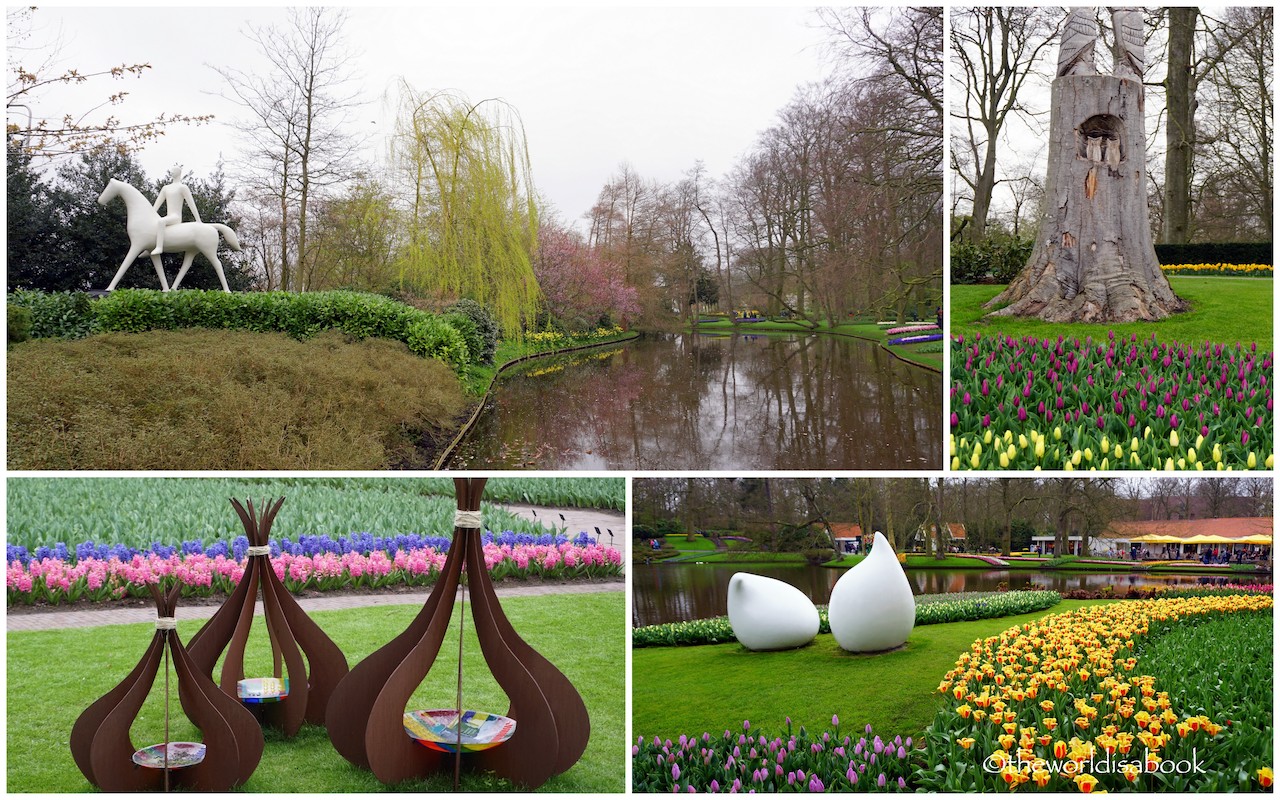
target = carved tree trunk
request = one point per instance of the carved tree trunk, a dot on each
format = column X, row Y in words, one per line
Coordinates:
column 1094, row 261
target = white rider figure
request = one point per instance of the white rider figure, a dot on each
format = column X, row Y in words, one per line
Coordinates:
column 175, row 194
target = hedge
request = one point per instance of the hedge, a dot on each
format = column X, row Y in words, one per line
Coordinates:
column 996, row 259
column 930, row 610
column 1215, row 253
column 72, row 315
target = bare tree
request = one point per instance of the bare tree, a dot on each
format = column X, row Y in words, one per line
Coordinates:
column 996, row 53
column 297, row 129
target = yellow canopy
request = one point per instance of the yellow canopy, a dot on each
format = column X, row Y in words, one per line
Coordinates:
column 1257, row 538
column 1156, row 538
column 1202, row 538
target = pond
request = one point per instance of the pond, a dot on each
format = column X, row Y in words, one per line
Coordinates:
column 692, row 401
column 678, row 592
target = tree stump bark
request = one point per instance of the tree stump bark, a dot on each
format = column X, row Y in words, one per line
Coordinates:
column 1094, row 260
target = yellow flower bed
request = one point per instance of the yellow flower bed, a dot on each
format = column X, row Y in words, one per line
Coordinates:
column 1067, row 688
column 1255, row 270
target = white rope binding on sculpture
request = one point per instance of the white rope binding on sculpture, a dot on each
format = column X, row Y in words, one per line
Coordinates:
column 467, row 519
column 166, row 623
column 264, row 550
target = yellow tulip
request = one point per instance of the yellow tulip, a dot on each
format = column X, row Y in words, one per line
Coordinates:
column 1199, row 440
column 975, row 460
column 1022, row 441
column 955, row 463
column 1217, row 454
column 1146, row 433
column 1199, row 465
column 1134, row 444
column 1088, row 454
column 1012, row 452
column 1057, row 434
column 1168, row 465
column 1271, row 461
column 1252, row 461
column 1119, row 451
column 1173, row 438
column 953, row 445
column 1103, row 466
column 1106, row 443
column 1191, row 455
column 1075, row 458
column 1004, row 461
column 1040, row 448
column 1066, row 466
column 986, row 437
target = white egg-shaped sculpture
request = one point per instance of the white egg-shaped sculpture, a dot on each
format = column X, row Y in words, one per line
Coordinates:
column 768, row 614
column 872, row 607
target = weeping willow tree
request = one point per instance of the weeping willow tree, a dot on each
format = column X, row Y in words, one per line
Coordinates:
column 474, row 217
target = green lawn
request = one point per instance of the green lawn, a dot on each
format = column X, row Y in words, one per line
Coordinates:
column 862, row 330
column 712, row 688
column 1225, row 310
column 918, row 560
column 54, row 675
column 752, row 557
column 682, row 543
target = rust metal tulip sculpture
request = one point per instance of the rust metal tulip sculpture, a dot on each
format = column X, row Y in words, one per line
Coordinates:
column 100, row 740
column 366, row 716
column 291, row 633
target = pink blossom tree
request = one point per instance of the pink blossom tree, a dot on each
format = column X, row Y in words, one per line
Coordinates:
column 581, row 286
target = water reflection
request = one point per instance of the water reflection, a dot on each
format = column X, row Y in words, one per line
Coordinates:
column 685, row 401
column 677, row 592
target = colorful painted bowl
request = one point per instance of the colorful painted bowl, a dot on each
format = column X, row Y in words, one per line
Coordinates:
column 438, row 729
column 181, row 754
column 262, row 690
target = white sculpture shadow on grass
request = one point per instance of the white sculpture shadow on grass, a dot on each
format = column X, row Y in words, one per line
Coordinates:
column 872, row 607
column 188, row 237
column 768, row 614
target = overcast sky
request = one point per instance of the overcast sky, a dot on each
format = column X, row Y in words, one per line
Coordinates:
column 659, row 88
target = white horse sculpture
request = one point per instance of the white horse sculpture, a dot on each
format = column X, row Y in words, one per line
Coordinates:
column 189, row 237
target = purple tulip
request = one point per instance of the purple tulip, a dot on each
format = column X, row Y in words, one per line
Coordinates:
column 675, row 772
column 880, row 780
column 715, row 785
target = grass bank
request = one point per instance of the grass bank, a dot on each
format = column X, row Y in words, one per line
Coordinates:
column 919, row 354
column 712, row 688
column 42, row 705
column 1223, row 310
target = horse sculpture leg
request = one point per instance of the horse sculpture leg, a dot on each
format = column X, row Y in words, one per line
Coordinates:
column 134, row 250
column 159, row 265
column 187, row 257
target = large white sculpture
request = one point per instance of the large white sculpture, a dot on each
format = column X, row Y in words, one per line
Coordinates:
column 767, row 614
column 872, row 607
column 148, row 230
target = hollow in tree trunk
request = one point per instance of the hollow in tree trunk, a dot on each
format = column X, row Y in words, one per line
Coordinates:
column 1094, row 260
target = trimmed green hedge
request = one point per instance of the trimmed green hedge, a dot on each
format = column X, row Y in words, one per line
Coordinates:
column 931, row 609
column 301, row 315
column 1215, row 253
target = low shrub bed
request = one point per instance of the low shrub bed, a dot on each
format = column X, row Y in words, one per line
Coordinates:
column 930, row 610
column 208, row 400
column 1084, row 701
